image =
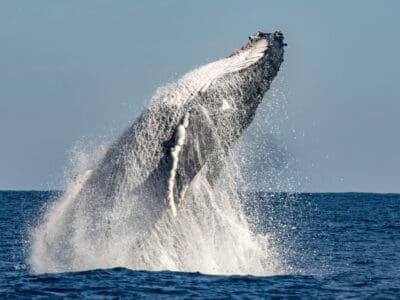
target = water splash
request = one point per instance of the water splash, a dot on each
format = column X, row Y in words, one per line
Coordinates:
column 210, row 235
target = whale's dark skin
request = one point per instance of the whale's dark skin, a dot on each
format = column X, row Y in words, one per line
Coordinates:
column 213, row 109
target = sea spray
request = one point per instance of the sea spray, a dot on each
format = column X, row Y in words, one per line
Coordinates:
column 210, row 234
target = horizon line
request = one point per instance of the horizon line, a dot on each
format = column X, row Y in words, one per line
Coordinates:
column 249, row 191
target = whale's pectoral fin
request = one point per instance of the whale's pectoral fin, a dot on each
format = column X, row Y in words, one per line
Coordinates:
column 200, row 142
column 193, row 144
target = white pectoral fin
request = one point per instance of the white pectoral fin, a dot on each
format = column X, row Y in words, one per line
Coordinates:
column 194, row 140
column 175, row 151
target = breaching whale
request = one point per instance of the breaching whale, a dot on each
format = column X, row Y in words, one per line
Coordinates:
column 187, row 130
column 190, row 125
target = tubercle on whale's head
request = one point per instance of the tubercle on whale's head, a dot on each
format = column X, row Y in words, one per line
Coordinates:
column 275, row 39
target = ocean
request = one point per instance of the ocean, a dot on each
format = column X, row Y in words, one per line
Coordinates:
column 330, row 245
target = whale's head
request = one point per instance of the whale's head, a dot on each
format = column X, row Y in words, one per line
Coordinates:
column 233, row 87
column 215, row 103
column 260, row 46
column 258, row 61
column 230, row 89
column 234, row 80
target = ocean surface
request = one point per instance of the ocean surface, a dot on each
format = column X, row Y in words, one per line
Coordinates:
column 344, row 245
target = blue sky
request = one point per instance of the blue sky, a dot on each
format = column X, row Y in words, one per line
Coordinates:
column 83, row 70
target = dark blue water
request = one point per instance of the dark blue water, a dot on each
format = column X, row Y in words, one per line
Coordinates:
column 332, row 245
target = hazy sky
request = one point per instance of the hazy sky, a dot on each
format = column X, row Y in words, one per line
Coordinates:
column 80, row 70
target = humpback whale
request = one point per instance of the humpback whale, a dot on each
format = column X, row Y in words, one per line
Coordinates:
column 190, row 125
column 188, row 129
